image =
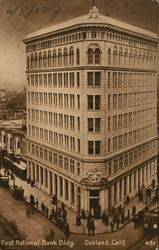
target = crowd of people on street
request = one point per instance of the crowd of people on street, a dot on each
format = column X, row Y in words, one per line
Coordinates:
column 58, row 215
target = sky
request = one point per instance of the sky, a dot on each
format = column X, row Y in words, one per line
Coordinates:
column 20, row 17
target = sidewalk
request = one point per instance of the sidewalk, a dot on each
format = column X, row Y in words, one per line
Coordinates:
column 71, row 215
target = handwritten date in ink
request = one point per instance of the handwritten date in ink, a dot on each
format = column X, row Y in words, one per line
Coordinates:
column 25, row 11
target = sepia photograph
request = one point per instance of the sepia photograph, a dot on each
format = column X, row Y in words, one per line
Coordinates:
column 79, row 124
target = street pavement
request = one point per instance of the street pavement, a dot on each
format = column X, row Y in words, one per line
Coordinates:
column 38, row 226
column 71, row 215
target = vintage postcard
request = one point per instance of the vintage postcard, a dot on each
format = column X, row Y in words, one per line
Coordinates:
column 79, row 124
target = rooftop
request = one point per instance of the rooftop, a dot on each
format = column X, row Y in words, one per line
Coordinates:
column 92, row 18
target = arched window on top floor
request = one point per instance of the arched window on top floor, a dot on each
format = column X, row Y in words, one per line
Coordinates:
column 49, row 58
column 151, row 60
column 59, row 58
column 40, row 60
column 97, row 56
column 36, row 60
column 71, row 56
column 115, row 53
column 54, row 58
column 65, row 57
column 32, row 61
column 77, row 57
column 130, row 58
column 44, row 60
column 120, row 57
column 126, row 57
column 90, row 56
column 109, row 56
column 135, row 58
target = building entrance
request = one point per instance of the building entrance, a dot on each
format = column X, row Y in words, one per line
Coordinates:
column 94, row 203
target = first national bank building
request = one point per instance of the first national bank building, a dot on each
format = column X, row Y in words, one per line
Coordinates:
column 91, row 111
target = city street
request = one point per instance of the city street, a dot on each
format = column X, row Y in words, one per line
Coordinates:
column 16, row 211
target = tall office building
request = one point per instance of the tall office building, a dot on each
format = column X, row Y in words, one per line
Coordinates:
column 91, row 111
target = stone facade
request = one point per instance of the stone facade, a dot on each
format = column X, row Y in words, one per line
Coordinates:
column 91, row 106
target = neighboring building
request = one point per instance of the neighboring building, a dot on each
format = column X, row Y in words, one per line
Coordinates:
column 3, row 99
column 91, row 111
column 13, row 151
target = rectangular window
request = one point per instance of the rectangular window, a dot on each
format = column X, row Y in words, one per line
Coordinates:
column 78, row 123
column 90, row 78
column 97, row 101
column 78, row 101
column 97, row 78
column 90, row 124
column 97, row 124
column 90, row 101
column 79, row 146
column 72, row 166
column 65, row 163
column 97, row 147
column 78, row 79
column 108, row 102
column 90, row 147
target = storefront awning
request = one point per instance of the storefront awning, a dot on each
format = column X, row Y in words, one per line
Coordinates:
column 20, row 166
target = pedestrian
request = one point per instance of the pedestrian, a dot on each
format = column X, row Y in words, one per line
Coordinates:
column 128, row 216
column 92, row 227
column 32, row 209
column 112, row 225
column 89, row 226
column 37, row 203
column 46, row 211
column 117, row 223
column 106, row 220
column 28, row 212
column 134, row 211
column 42, row 206
column 67, row 231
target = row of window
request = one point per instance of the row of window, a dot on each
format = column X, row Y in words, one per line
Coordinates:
column 131, row 58
column 53, row 59
column 61, row 140
column 54, row 158
column 130, row 138
column 72, row 79
column 54, row 119
column 54, row 138
column 109, row 36
column 123, row 79
column 60, row 80
column 132, row 157
column 123, row 100
column 53, row 99
column 127, row 119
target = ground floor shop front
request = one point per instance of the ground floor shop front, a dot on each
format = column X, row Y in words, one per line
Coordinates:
column 94, row 193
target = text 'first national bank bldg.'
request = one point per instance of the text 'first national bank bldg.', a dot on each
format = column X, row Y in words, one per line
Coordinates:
column 91, row 111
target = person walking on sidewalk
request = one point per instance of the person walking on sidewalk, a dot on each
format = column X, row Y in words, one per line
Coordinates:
column 28, row 212
column 92, row 227
column 89, row 226
column 128, row 216
column 112, row 225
